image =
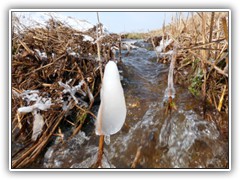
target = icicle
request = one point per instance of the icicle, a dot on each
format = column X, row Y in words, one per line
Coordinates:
column 170, row 91
column 107, row 139
column 37, row 126
column 112, row 110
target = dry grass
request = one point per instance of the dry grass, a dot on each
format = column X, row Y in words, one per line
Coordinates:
column 32, row 72
column 202, row 65
column 202, row 60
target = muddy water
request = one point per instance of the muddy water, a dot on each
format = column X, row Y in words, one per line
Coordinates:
column 180, row 140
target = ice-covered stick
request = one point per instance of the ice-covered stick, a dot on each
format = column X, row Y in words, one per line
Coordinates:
column 112, row 111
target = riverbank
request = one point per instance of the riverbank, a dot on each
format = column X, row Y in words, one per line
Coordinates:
column 56, row 76
column 56, row 80
column 201, row 41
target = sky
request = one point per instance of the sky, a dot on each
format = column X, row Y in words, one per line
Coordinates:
column 120, row 22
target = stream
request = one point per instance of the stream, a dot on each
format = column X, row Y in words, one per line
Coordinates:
column 181, row 139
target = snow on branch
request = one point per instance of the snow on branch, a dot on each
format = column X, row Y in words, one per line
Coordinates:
column 72, row 90
column 41, row 103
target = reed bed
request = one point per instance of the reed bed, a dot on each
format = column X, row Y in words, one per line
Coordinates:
column 56, row 64
column 48, row 63
column 202, row 60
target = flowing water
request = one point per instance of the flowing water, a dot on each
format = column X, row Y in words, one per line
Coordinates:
column 181, row 139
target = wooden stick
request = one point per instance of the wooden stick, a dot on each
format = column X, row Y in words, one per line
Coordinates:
column 211, row 32
column 100, row 151
column 221, row 99
column 137, row 157
column 203, row 61
column 99, row 48
column 47, row 65
column 225, row 28
column 26, row 47
column 99, row 23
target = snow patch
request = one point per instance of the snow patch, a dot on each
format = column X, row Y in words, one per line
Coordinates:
column 40, row 19
column 87, row 38
column 163, row 45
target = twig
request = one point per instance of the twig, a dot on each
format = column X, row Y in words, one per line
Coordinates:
column 137, row 157
column 98, row 49
column 211, row 32
column 26, row 47
column 208, row 62
column 29, row 154
column 225, row 28
column 221, row 99
column 203, row 61
column 99, row 23
column 100, row 151
column 50, row 64
column 86, row 111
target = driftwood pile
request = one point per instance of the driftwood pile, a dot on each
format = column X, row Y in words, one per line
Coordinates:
column 55, row 78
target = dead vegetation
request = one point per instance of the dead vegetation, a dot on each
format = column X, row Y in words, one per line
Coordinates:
column 202, row 59
column 51, row 58
column 58, row 65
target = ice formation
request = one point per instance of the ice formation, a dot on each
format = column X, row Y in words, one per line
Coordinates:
column 42, row 55
column 170, row 91
column 163, row 45
column 38, row 124
column 72, row 90
column 41, row 103
column 112, row 110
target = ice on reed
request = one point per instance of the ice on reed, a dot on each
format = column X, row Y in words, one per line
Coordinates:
column 112, row 111
column 170, row 91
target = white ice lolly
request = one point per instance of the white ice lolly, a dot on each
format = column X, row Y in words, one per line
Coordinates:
column 112, row 111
